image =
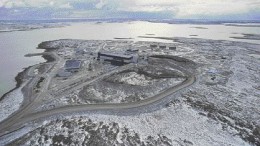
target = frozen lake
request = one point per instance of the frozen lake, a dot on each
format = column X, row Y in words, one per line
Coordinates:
column 14, row 45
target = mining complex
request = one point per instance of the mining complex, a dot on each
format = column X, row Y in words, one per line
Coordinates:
column 127, row 79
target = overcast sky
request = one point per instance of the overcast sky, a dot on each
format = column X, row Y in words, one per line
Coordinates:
column 147, row 9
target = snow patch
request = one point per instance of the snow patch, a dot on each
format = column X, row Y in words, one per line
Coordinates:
column 11, row 103
column 179, row 123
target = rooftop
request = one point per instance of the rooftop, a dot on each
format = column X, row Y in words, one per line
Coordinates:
column 116, row 55
column 72, row 64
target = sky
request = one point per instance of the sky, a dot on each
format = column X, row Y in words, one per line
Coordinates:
column 132, row 9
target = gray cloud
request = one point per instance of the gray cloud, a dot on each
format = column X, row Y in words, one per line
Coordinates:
column 241, row 9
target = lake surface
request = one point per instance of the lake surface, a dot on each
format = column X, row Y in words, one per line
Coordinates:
column 14, row 45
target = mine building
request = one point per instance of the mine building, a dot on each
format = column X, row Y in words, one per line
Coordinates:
column 117, row 59
column 172, row 48
column 153, row 46
column 72, row 65
column 162, row 47
column 132, row 50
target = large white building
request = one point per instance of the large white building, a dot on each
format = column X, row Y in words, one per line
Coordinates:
column 117, row 59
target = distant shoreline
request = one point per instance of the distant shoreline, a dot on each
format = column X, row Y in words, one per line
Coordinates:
column 27, row 27
column 123, row 38
column 248, row 37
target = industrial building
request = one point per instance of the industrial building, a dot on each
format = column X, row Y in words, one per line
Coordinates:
column 132, row 50
column 117, row 59
column 162, row 47
column 172, row 48
column 72, row 65
column 153, row 46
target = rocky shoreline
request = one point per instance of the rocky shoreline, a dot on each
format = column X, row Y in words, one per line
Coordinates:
column 21, row 76
column 19, row 81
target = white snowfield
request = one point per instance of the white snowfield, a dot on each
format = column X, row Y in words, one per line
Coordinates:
column 179, row 123
column 182, row 124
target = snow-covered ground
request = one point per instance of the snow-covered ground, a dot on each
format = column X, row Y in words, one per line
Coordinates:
column 220, row 108
column 132, row 78
column 11, row 103
column 177, row 125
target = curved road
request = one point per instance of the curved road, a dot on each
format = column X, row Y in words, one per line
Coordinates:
column 18, row 121
column 93, row 107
